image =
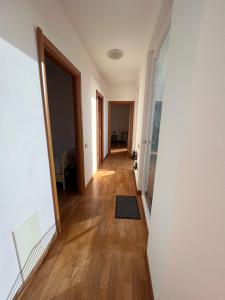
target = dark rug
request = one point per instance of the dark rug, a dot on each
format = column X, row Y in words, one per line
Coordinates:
column 127, row 207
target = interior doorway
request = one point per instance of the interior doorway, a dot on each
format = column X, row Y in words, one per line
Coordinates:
column 47, row 51
column 100, row 128
column 62, row 117
column 120, row 126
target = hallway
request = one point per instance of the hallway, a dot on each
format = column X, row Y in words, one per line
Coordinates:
column 97, row 256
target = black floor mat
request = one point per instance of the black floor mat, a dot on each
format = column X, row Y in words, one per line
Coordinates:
column 127, row 207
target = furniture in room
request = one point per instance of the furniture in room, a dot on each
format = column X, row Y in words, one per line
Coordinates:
column 71, row 177
column 124, row 138
column 62, row 162
column 114, row 140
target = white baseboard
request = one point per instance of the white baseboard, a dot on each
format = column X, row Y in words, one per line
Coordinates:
column 147, row 217
column 146, row 211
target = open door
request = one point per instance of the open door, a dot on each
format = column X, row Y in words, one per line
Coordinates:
column 159, row 78
column 47, row 49
column 153, row 144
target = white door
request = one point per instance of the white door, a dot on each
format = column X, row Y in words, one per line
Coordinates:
column 159, row 78
column 153, row 150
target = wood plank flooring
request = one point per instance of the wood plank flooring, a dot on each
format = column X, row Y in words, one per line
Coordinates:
column 97, row 256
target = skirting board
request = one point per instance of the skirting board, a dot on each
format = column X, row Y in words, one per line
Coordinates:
column 138, row 192
column 146, row 211
column 147, row 219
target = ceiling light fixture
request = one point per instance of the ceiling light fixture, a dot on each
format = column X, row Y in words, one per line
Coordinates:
column 115, row 53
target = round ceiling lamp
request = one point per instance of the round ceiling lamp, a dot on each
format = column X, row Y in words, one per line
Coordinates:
column 115, row 53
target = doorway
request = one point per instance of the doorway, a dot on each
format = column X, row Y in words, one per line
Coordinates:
column 120, row 126
column 100, row 128
column 47, row 51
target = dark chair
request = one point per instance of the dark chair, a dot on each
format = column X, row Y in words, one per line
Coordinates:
column 124, row 138
column 114, row 140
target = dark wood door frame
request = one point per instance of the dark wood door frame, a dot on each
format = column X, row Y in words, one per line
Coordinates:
column 99, row 131
column 131, row 121
column 46, row 48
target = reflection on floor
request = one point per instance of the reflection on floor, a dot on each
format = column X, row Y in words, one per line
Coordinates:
column 119, row 149
column 65, row 199
column 118, row 161
column 97, row 256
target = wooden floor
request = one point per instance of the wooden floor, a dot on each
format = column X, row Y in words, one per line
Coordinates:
column 97, row 256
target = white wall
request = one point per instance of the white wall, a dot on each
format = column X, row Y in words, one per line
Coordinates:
column 123, row 93
column 61, row 108
column 186, row 246
column 174, row 113
column 25, row 181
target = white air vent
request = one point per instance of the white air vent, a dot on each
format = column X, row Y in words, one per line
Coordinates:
column 26, row 236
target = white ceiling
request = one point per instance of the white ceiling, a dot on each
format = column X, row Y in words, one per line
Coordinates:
column 106, row 24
